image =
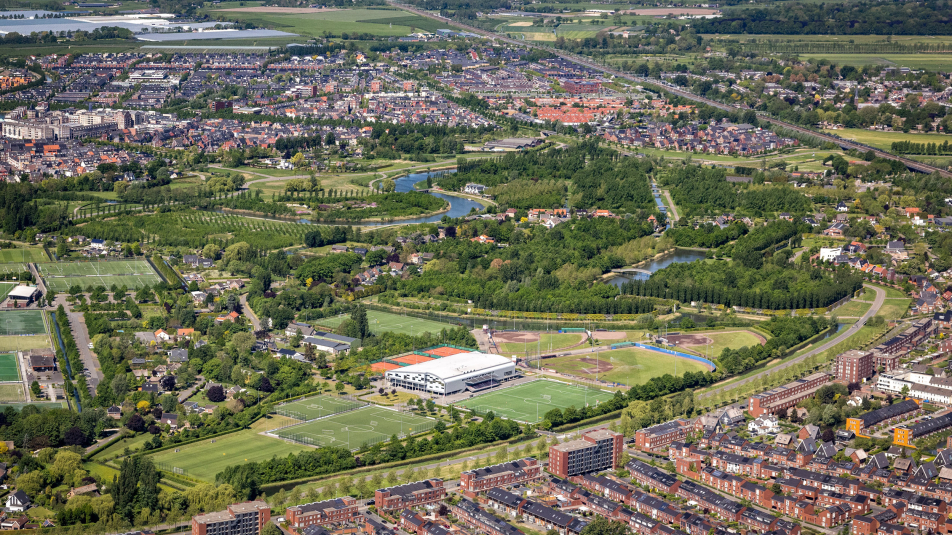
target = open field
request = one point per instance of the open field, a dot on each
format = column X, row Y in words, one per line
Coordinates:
column 931, row 62
column 6, row 288
column 11, row 392
column 891, row 293
column 522, row 344
column 9, row 371
column 381, row 21
column 355, row 429
column 730, row 340
column 59, row 276
column 315, row 407
column 884, row 140
column 894, row 309
column 23, row 256
column 851, row 309
column 278, row 10
column 387, row 322
column 22, row 322
column 527, row 402
column 22, row 343
column 206, row 458
column 631, row 366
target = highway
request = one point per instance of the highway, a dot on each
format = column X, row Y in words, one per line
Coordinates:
column 581, row 60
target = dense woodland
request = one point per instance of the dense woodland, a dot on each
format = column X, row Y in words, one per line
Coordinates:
column 699, row 190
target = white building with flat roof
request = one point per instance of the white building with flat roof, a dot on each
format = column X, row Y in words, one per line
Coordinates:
column 449, row 375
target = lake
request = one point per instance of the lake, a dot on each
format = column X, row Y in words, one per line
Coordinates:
column 676, row 257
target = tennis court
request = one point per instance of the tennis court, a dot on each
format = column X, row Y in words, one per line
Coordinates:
column 21, row 322
column 23, row 256
column 528, row 402
column 383, row 367
column 316, row 407
column 387, row 322
column 8, row 367
column 59, row 276
column 412, row 359
column 354, row 429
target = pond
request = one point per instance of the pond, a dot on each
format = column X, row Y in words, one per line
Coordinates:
column 676, row 257
column 459, row 206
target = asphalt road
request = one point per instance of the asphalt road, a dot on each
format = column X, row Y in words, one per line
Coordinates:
column 844, row 335
column 90, row 360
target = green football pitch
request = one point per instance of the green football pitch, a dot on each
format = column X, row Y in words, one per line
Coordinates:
column 528, row 402
column 316, row 407
column 354, row 429
column 60, row 276
column 387, row 322
column 23, row 256
column 8, row 367
column 21, row 322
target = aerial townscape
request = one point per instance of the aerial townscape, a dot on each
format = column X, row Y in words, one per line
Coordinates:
column 475, row 267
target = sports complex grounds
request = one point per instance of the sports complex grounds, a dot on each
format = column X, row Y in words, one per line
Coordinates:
column 60, row 276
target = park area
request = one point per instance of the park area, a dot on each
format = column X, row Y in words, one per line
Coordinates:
column 354, row 429
column 316, row 407
column 387, row 322
column 60, row 276
column 17, row 322
column 528, row 402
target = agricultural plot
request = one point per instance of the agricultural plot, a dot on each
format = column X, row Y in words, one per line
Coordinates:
column 630, row 366
column 373, row 21
column 884, row 140
column 355, row 429
column 60, row 276
column 387, row 322
column 15, row 322
column 203, row 460
column 316, row 407
column 23, row 256
column 528, row 402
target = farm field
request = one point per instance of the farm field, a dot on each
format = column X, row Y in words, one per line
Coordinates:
column 9, row 371
column 527, row 402
column 315, row 407
column 932, row 62
column 523, row 344
column 22, row 343
column 387, row 322
column 203, row 460
column 355, row 429
column 22, row 322
column 59, row 276
column 23, row 255
column 631, row 366
column 380, row 22
column 884, row 140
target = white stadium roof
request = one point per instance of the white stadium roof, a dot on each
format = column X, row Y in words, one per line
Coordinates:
column 448, row 368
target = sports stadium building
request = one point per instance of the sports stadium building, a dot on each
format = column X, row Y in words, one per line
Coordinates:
column 449, row 375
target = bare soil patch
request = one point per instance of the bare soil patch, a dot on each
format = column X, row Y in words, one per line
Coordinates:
column 515, row 337
column 672, row 11
column 280, row 10
column 689, row 340
column 596, row 366
column 609, row 335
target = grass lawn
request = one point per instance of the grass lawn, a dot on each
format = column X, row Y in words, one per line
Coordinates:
column 104, row 472
column 932, row 62
column 894, row 309
column 731, row 340
column 852, row 309
column 392, row 399
column 527, row 402
column 372, row 21
column 118, row 448
column 631, row 366
column 11, row 392
column 884, row 140
column 891, row 293
column 23, row 255
column 387, row 322
column 22, row 343
column 270, row 172
column 22, row 322
column 204, row 459
column 358, row 428
column 40, row 513
column 547, row 342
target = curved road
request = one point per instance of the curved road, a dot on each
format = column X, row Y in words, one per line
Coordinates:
column 877, row 304
column 912, row 164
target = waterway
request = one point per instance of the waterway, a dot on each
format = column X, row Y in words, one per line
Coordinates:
column 676, row 257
